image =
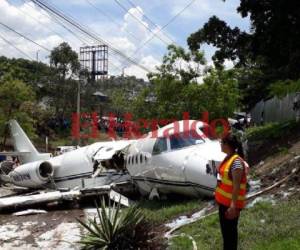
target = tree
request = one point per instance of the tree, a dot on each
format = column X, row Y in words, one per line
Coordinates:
column 173, row 84
column 180, row 64
column 220, row 93
column 65, row 60
column 123, row 93
column 271, row 47
column 36, row 74
column 175, row 88
column 64, row 88
column 282, row 88
column 15, row 98
column 120, row 102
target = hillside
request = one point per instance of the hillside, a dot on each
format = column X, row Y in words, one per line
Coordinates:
column 271, row 220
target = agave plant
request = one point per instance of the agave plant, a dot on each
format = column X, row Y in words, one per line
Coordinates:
column 113, row 229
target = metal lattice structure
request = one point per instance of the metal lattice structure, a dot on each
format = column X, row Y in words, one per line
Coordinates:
column 95, row 60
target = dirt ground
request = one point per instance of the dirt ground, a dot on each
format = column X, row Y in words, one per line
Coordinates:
column 275, row 168
column 55, row 229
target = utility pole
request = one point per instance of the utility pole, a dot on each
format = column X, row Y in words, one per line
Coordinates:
column 37, row 55
column 78, row 109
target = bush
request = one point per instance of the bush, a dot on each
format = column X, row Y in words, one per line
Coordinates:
column 115, row 229
column 271, row 130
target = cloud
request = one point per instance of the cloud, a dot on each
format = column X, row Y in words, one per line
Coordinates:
column 148, row 62
column 23, row 18
column 205, row 8
column 134, row 23
column 140, row 28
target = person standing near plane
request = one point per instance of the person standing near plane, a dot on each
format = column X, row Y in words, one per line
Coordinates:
column 230, row 193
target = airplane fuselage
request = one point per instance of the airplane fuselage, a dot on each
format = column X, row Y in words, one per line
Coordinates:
column 172, row 162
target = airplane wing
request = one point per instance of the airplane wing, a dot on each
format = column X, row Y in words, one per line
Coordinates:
column 19, row 201
column 15, row 153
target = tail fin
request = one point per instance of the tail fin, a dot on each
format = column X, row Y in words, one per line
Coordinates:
column 24, row 146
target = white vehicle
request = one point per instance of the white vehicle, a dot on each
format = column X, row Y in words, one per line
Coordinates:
column 177, row 158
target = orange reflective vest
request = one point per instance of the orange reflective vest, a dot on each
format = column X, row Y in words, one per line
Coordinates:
column 223, row 193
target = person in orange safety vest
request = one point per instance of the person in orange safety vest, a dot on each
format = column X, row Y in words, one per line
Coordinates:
column 230, row 193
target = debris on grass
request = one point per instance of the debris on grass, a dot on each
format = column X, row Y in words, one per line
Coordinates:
column 254, row 185
column 183, row 220
column 262, row 199
column 30, row 212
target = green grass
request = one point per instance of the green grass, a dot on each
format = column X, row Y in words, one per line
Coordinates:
column 282, row 244
column 159, row 212
column 262, row 227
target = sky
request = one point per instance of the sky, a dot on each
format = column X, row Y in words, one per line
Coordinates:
column 126, row 25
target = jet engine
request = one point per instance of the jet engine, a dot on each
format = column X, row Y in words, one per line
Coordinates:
column 32, row 175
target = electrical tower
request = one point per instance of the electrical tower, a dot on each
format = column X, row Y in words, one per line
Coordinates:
column 95, row 60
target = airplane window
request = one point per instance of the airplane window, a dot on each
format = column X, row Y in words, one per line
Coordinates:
column 145, row 159
column 136, row 159
column 180, row 141
column 141, row 159
column 160, row 146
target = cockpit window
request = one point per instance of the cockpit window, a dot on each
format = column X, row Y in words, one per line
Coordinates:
column 160, row 146
column 182, row 140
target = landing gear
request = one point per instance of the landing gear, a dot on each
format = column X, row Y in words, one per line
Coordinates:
column 154, row 195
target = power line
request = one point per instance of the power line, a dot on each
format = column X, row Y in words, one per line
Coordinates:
column 35, row 19
column 154, row 24
column 178, row 14
column 21, row 51
column 84, row 30
column 154, row 33
column 112, row 19
column 54, row 18
column 163, row 27
column 168, row 23
column 16, row 32
column 59, row 22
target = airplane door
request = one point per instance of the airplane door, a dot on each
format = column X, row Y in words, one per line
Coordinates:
column 200, row 171
column 168, row 165
column 158, row 160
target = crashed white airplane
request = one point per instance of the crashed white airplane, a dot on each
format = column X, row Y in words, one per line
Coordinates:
column 165, row 161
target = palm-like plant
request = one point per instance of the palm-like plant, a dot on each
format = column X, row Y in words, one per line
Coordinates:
column 114, row 229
